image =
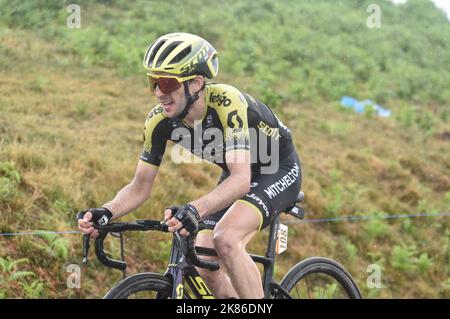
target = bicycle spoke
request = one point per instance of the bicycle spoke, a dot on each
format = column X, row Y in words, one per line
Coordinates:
column 307, row 288
column 296, row 289
column 323, row 292
column 334, row 294
column 319, row 295
column 319, row 285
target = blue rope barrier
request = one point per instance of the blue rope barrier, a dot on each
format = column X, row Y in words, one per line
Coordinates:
column 358, row 218
column 37, row 233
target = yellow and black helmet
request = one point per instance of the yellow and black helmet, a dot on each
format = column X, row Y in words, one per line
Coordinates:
column 181, row 55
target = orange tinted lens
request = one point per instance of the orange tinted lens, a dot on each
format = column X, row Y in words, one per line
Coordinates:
column 166, row 85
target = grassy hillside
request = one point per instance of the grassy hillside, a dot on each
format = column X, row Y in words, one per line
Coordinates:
column 73, row 103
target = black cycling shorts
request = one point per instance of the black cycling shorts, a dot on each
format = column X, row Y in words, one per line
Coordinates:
column 269, row 194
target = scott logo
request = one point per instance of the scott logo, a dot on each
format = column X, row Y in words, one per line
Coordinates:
column 201, row 56
column 103, row 221
column 220, row 99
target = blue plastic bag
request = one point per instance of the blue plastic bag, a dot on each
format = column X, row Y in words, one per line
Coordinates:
column 359, row 107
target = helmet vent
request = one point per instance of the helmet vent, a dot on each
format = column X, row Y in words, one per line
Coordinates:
column 180, row 56
column 167, row 51
column 154, row 51
column 148, row 50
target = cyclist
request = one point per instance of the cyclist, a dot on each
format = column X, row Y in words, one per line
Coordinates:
column 261, row 169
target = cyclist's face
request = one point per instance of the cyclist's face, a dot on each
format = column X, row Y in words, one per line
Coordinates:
column 173, row 103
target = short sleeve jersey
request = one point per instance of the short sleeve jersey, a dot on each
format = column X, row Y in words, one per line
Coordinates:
column 232, row 121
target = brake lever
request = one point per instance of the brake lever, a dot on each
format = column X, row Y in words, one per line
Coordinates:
column 86, row 247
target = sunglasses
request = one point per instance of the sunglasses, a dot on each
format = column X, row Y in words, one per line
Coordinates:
column 167, row 85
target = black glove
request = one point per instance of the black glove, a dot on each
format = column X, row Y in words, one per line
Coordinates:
column 100, row 216
column 189, row 217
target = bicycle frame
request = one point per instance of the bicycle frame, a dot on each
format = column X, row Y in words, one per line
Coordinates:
column 178, row 269
column 184, row 258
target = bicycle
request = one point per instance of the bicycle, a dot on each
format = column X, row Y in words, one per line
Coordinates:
column 182, row 280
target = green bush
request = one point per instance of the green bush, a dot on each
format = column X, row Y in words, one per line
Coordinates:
column 9, row 182
column 424, row 263
column 8, row 170
column 352, row 251
column 406, row 116
column 407, row 226
column 447, row 198
column 30, row 14
column 53, row 246
column 338, row 129
column 402, row 258
column 412, row 116
column 8, row 190
column 162, row 253
column 335, row 193
column 33, row 289
column 9, row 273
column 310, row 58
column 426, row 122
column 445, row 115
column 376, row 228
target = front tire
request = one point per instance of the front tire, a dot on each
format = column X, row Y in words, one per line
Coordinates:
column 321, row 278
column 142, row 285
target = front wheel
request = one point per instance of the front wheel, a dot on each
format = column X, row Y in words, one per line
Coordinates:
column 142, row 286
column 320, row 278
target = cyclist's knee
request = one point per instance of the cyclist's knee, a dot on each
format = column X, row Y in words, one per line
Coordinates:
column 225, row 243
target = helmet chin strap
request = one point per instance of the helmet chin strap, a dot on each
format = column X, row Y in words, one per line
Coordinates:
column 190, row 100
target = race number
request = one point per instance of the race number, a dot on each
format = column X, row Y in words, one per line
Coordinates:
column 282, row 238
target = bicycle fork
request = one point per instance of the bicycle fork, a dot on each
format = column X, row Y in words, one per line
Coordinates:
column 179, row 270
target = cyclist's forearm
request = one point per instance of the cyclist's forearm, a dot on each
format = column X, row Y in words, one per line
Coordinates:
column 127, row 200
column 225, row 194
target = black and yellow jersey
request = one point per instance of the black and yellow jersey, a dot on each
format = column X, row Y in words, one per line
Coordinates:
column 232, row 121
